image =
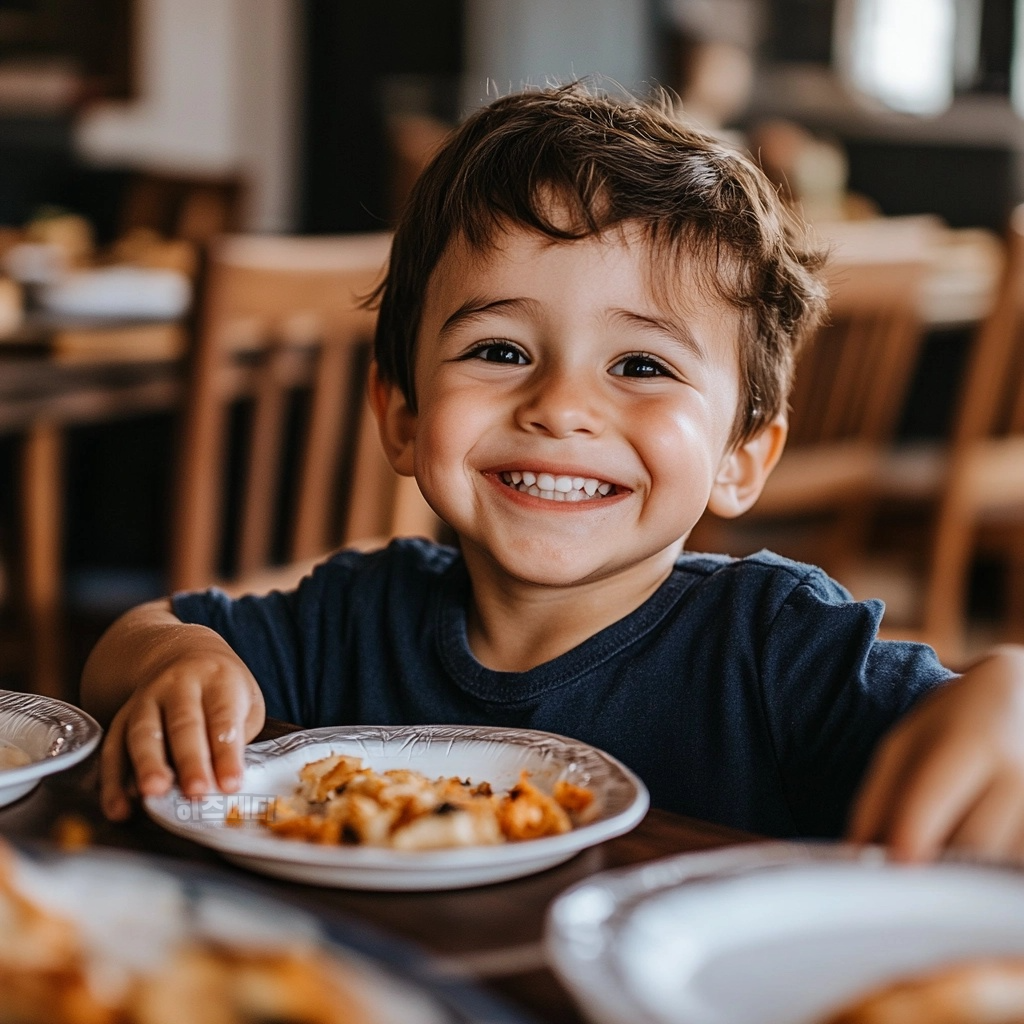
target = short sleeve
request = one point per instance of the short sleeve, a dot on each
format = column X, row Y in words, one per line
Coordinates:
column 282, row 637
column 831, row 690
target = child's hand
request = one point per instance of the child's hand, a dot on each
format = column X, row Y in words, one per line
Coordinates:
column 187, row 705
column 951, row 774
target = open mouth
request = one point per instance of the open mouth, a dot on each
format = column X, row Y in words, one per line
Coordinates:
column 558, row 488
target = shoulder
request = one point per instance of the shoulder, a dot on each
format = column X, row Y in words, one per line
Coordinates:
column 404, row 562
column 763, row 575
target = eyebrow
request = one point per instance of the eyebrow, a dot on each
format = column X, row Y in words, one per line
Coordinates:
column 675, row 330
column 473, row 309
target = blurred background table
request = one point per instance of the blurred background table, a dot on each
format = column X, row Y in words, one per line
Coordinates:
column 55, row 373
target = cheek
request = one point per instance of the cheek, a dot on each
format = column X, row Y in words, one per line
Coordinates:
column 681, row 440
column 449, row 425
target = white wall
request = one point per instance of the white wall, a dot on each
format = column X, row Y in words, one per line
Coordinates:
column 218, row 83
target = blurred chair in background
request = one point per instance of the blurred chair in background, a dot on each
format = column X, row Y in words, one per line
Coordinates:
column 850, row 384
column 281, row 356
column 193, row 207
column 167, row 219
column 961, row 501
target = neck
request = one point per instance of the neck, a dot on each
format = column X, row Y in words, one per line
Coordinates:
column 515, row 625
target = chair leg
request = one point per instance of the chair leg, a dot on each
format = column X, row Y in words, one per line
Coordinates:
column 40, row 512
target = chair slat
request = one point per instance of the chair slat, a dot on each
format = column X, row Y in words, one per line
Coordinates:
column 282, row 346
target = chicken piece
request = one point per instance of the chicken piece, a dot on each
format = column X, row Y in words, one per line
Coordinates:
column 449, row 825
column 575, row 799
column 979, row 992
column 210, row 985
column 319, row 779
column 527, row 813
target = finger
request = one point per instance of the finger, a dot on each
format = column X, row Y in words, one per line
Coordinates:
column 1015, row 851
column 874, row 803
column 113, row 768
column 189, row 746
column 144, row 741
column 226, row 712
column 936, row 796
column 992, row 825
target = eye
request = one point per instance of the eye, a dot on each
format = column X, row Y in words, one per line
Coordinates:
column 641, row 364
column 498, row 352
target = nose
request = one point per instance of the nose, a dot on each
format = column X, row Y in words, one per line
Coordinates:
column 560, row 403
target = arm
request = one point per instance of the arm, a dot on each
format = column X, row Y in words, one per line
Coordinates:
column 175, row 696
column 951, row 773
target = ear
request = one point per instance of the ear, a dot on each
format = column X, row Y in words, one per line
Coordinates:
column 744, row 470
column 396, row 422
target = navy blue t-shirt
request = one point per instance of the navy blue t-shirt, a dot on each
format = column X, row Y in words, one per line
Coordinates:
column 749, row 691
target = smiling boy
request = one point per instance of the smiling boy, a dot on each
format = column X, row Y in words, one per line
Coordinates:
column 586, row 337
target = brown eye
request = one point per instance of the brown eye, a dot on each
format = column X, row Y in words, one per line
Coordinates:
column 499, row 352
column 640, row 365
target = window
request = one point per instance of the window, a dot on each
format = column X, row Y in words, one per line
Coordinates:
column 900, row 52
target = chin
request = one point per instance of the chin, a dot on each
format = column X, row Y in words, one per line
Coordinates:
column 545, row 570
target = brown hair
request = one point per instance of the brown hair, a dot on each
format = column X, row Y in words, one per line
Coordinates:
column 609, row 161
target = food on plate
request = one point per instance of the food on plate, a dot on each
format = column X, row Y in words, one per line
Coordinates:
column 56, row 969
column 982, row 991
column 339, row 800
column 12, row 756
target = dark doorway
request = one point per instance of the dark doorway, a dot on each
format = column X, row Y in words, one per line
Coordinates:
column 355, row 52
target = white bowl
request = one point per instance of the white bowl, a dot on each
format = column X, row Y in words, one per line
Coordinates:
column 771, row 933
column 55, row 735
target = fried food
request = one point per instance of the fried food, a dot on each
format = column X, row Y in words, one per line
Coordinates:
column 984, row 991
column 50, row 974
column 339, row 800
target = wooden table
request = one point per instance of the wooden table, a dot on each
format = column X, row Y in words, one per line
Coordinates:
column 490, row 934
column 56, row 373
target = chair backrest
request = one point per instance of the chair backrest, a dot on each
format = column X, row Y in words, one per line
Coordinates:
column 195, row 208
column 280, row 459
column 984, row 480
column 992, row 400
column 852, row 379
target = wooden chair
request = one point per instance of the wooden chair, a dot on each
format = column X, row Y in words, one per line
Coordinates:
column 849, row 389
column 966, row 498
column 195, row 208
column 282, row 350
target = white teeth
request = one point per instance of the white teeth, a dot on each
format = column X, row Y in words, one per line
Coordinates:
column 556, row 488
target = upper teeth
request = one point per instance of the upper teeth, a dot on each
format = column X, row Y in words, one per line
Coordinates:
column 557, row 488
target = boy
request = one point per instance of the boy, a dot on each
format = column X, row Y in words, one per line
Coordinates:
column 586, row 337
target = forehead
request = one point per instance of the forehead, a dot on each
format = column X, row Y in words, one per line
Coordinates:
column 680, row 276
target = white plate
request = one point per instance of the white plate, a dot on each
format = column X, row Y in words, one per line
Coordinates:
column 479, row 753
column 131, row 909
column 55, row 735
column 771, row 933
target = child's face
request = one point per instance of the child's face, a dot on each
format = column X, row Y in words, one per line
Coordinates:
column 554, row 363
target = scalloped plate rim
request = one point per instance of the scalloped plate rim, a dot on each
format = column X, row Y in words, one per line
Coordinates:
column 87, row 734
column 239, row 845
